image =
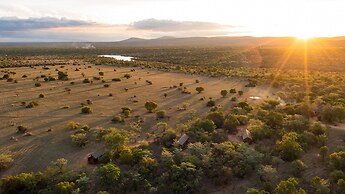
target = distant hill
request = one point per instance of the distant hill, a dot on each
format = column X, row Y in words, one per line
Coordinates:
column 168, row 41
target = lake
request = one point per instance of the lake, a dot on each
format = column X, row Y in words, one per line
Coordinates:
column 118, row 57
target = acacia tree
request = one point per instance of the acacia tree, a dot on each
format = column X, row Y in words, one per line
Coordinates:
column 288, row 147
column 289, row 186
column 151, row 106
column 109, row 174
column 199, row 89
column 60, row 163
column 224, row 93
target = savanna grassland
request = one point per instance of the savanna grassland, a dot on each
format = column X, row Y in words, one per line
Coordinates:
column 59, row 105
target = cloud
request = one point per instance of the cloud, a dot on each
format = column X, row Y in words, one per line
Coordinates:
column 16, row 24
column 173, row 26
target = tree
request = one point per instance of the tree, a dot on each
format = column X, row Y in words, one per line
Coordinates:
column 217, row 118
column 318, row 129
column 5, row 161
column 151, row 106
column 337, row 160
column 199, row 89
column 320, row 186
column 109, row 174
column 230, row 123
column 323, row 152
column 79, row 139
column 258, row 129
column 224, row 93
column 232, row 91
column 23, row 183
column 86, row 110
column 116, row 141
column 167, row 138
column 206, row 124
column 60, row 163
column 289, row 187
column 65, row 187
column 288, row 147
column 161, row 114
column 298, row 167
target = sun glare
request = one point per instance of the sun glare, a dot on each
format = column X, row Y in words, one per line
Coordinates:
column 304, row 37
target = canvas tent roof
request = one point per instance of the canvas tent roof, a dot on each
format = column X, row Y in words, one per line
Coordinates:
column 183, row 139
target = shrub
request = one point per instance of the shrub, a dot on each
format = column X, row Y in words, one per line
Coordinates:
column 106, row 85
column 211, row 103
column 240, row 93
column 116, row 79
column 217, row 118
column 73, row 125
column 109, row 174
column 206, row 124
column 38, row 84
column 337, row 160
column 230, row 123
column 86, row 110
column 318, row 129
column 86, row 80
column 199, row 89
column 117, row 119
column 62, row 76
column 151, row 106
column 297, row 168
column 5, row 161
column 127, row 76
column 289, row 186
column 167, row 138
column 79, row 139
column 224, row 93
column 258, row 129
column 323, row 152
column 161, row 114
column 41, row 96
column 288, row 147
column 22, row 129
column 233, row 99
column 232, row 91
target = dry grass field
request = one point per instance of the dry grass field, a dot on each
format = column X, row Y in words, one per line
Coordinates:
column 33, row 153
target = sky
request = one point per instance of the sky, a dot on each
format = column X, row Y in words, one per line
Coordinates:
column 113, row 20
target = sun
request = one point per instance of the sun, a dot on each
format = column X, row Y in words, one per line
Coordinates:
column 304, row 35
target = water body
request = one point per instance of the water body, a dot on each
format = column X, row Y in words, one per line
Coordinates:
column 118, row 57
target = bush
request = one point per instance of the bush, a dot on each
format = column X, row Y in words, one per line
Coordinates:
column 167, row 138
column 118, row 119
column 62, row 76
column 22, row 129
column 224, row 93
column 289, row 186
column 337, row 160
column 41, row 96
column 230, row 123
column 259, row 130
column 73, row 125
column 211, row 103
column 86, row 110
column 80, row 139
column 288, row 147
column 109, row 174
column 116, row 79
column 217, row 118
column 127, row 76
column 318, row 129
column 38, row 84
column 151, row 106
column 161, row 114
column 240, row 93
column 297, row 168
column 32, row 104
column 86, row 80
column 199, row 89
column 5, row 161
column 206, row 124
column 233, row 91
